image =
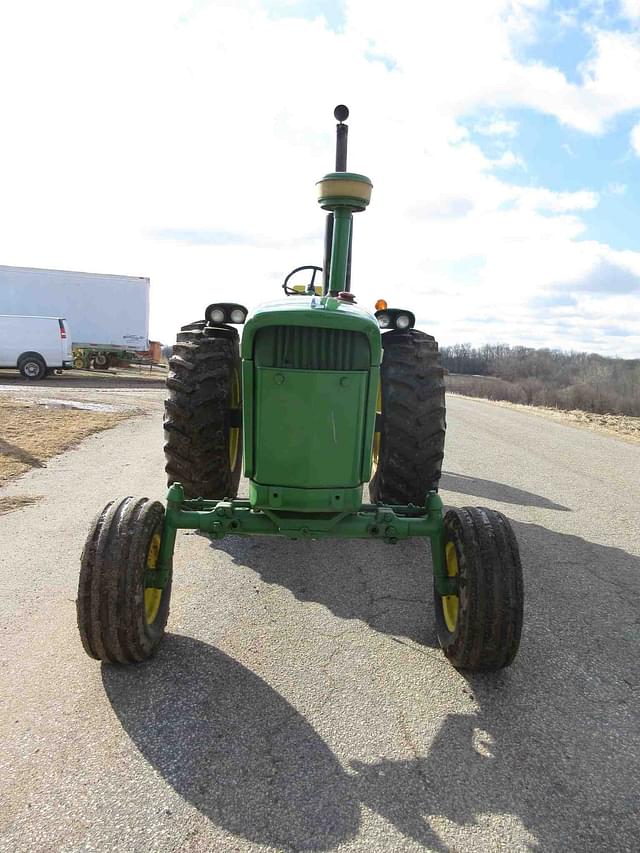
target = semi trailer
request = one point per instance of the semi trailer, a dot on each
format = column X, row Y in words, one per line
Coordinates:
column 108, row 314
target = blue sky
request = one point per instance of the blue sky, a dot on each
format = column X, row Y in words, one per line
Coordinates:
column 502, row 138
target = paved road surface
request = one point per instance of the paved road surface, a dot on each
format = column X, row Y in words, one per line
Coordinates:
column 300, row 701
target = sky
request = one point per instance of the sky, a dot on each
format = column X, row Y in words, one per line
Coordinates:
column 182, row 140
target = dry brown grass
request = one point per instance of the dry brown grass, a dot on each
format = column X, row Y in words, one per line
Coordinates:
column 30, row 433
column 8, row 504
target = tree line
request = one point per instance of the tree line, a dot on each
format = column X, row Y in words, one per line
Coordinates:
column 545, row 377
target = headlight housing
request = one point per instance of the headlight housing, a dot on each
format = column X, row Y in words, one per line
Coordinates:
column 219, row 313
column 395, row 318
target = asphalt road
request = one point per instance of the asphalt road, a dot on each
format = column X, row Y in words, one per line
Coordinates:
column 300, row 701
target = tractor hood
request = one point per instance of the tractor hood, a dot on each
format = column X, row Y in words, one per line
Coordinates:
column 319, row 312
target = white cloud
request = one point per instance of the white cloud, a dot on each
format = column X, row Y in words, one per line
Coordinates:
column 182, row 141
column 635, row 139
column 630, row 9
column 508, row 160
column 497, row 126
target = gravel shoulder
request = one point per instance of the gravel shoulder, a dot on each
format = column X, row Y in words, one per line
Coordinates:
column 622, row 426
column 39, row 420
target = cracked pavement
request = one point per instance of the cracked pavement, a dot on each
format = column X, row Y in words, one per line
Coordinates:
column 300, row 701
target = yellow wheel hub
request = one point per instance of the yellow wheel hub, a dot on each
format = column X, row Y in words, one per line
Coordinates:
column 375, row 451
column 152, row 597
column 451, row 603
column 234, row 432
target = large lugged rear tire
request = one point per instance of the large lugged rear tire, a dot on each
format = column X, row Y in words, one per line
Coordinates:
column 410, row 444
column 480, row 627
column 203, row 435
column 119, row 620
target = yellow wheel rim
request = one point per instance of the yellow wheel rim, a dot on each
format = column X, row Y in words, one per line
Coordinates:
column 451, row 603
column 152, row 597
column 375, row 451
column 234, row 432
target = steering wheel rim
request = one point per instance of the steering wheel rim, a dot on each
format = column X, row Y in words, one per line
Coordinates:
column 291, row 292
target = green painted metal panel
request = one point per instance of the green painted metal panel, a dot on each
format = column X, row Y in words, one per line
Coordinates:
column 308, row 427
column 370, row 423
column 286, row 499
column 247, row 417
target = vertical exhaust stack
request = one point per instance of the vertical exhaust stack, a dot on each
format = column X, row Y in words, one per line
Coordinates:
column 341, row 113
column 343, row 194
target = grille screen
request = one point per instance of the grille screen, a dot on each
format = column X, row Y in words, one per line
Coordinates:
column 310, row 348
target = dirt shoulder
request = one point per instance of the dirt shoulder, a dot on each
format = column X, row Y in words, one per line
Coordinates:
column 33, row 431
column 620, row 426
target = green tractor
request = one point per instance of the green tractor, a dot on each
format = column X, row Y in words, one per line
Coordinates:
column 320, row 397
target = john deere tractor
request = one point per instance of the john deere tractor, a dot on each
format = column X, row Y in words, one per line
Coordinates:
column 320, row 397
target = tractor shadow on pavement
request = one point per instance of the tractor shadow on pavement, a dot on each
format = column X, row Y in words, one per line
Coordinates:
column 490, row 490
column 389, row 587
column 544, row 753
column 540, row 756
column 234, row 747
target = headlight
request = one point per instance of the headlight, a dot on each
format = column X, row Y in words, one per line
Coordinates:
column 216, row 315
column 403, row 321
column 237, row 316
column 384, row 321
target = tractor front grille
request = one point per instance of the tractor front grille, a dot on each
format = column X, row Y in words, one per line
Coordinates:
column 311, row 348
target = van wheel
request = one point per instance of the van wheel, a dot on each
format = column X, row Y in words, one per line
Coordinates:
column 32, row 367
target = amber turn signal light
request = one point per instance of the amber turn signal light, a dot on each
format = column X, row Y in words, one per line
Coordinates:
column 381, row 305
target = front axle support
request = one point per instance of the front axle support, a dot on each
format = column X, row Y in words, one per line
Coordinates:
column 237, row 517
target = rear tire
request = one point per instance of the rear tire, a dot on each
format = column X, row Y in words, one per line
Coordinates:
column 412, row 422
column 203, row 446
column 119, row 621
column 32, row 367
column 480, row 627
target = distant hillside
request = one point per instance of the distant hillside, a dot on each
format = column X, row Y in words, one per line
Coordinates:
column 544, row 377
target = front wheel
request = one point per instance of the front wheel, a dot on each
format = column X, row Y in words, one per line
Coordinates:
column 479, row 628
column 121, row 621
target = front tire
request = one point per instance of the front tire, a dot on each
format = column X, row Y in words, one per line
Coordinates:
column 203, row 433
column 480, row 627
column 121, row 621
column 409, row 446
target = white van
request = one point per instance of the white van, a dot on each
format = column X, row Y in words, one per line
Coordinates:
column 35, row 345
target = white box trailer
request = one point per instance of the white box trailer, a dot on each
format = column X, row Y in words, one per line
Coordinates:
column 104, row 311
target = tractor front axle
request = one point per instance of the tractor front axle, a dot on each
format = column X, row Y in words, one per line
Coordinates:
column 388, row 524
